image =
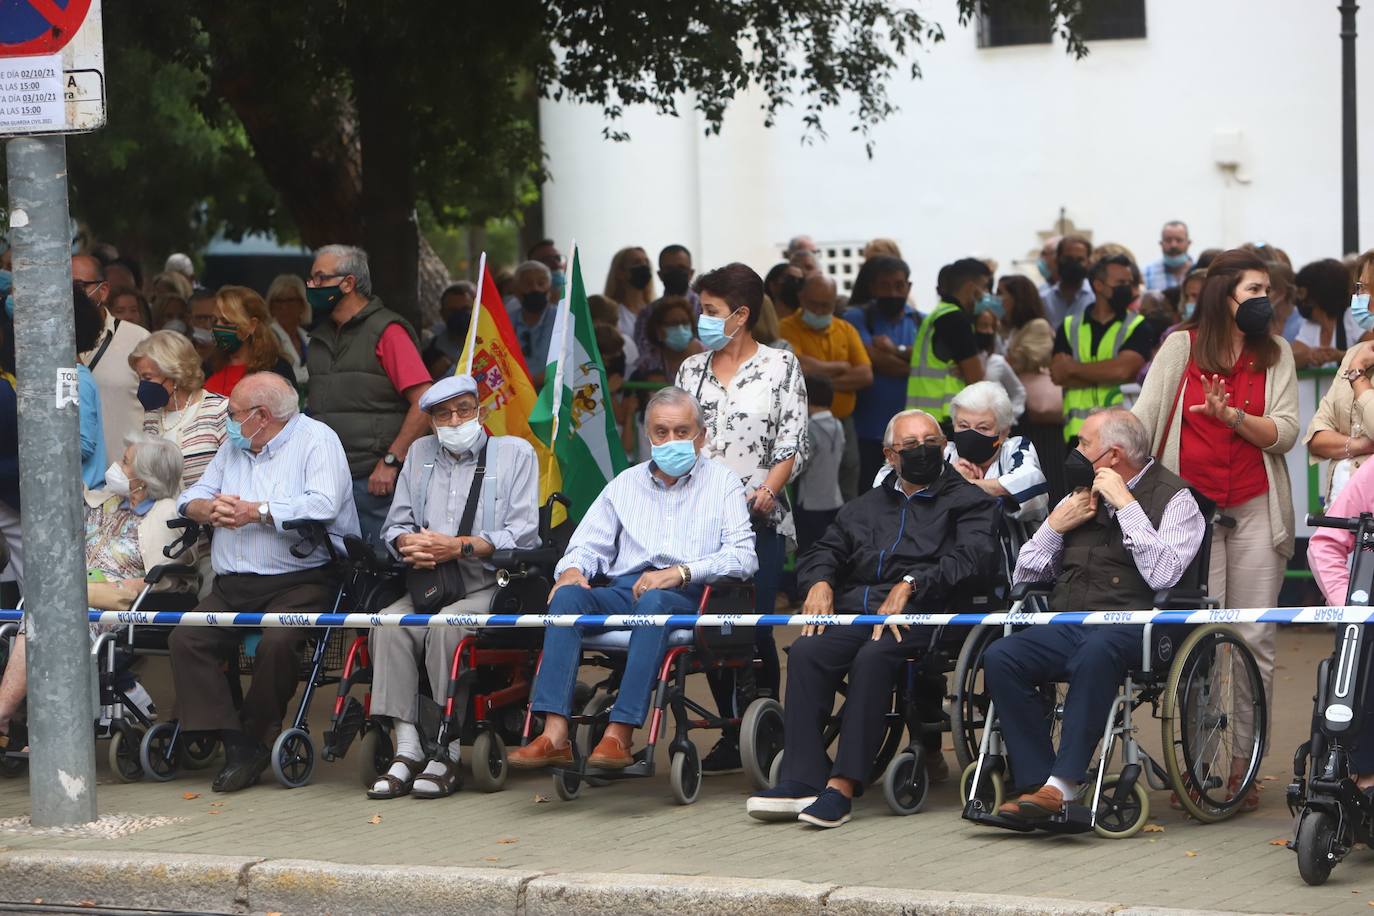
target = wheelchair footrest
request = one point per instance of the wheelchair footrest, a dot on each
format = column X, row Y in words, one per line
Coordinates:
column 635, row 770
column 1075, row 819
column 974, row 812
column 348, row 726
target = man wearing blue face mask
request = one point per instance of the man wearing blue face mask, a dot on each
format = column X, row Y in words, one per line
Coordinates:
column 658, row 532
column 831, row 348
column 1171, row 269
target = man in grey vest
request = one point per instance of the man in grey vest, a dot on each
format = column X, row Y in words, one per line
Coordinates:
column 366, row 378
column 1127, row 528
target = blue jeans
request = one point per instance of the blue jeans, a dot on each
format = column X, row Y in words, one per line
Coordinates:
column 553, row 688
column 372, row 511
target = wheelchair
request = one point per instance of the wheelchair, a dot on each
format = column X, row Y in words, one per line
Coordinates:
column 1331, row 812
column 1187, row 674
column 166, row 749
column 490, row 676
column 689, row 651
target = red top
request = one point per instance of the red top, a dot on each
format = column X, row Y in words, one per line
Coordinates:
column 223, row 381
column 1222, row 465
column 399, row 359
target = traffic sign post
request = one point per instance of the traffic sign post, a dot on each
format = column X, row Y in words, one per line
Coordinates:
column 52, row 82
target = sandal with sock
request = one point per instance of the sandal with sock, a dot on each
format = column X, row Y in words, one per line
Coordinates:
column 396, row 787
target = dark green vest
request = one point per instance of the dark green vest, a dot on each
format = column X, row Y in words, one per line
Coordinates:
column 1098, row 573
column 349, row 391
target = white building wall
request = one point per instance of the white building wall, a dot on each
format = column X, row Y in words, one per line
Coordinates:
column 992, row 142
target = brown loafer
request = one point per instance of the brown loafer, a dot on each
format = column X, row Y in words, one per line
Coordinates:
column 610, row 754
column 540, row 753
column 1044, row 802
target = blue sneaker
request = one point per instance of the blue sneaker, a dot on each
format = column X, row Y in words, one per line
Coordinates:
column 783, row 802
column 830, row 809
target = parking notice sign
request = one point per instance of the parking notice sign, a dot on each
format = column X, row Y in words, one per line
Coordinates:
column 52, row 67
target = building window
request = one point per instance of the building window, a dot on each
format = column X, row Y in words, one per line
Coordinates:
column 1002, row 23
column 1104, row 20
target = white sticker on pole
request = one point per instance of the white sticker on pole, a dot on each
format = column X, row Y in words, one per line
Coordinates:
column 31, row 94
column 68, row 389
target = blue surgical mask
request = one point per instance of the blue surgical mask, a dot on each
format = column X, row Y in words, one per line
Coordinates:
column 1175, row 261
column 677, row 337
column 676, row 457
column 1359, row 310
column 1188, row 308
column 1044, row 268
column 816, row 322
column 711, row 332
column 988, row 303
column 234, row 429
column 558, row 280
column 6, row 282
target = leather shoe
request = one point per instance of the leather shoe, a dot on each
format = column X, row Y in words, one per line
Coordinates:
column 242, row 772
column 540, row 753
column 1044, row 802
column 610, row 754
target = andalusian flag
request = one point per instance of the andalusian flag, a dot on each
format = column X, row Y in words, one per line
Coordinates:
column 492, row 356
column 574, row 410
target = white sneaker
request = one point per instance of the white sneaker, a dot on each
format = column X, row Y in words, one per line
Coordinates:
column 140, row 697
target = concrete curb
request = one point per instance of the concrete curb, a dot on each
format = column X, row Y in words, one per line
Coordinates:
column 243, row 885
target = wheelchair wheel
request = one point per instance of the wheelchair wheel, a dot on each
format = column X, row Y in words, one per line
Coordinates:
column 906, row 783
column 892, row 741
column 1201, row 717
column 488, row 761
column 1316, row 833
column 685, row 776
column 775, row 771
column 969, row 711
column 567, row 785
column 1121, row 817
column 123, row 754
column 760, row 740
column 374, row 754
column 293, row 758
column 591, row 733
column 158, row 753
column 991, row 787
column 198, row 751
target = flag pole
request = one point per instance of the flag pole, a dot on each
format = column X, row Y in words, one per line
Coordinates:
column 471, row 345
column 566, row 306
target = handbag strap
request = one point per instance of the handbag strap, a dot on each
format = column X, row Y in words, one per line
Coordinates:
column 474, row 493
column 104, row 345
column 1174, row 406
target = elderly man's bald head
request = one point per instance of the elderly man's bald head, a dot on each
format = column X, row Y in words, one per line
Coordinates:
column 818, row 294
column 268, row 391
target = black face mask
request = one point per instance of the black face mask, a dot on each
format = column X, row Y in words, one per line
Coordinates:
column 922, row 464
column 975, row 446
column 1079, row 471
column 984, row 339
column 890, row 307
column 1254, row 316
column 1072, row 273
column 535, row 301
column 1304, row 309
column 640, row 275
column 790, row 291
column 675, row 280
column 457, row 322
column 1121, row 297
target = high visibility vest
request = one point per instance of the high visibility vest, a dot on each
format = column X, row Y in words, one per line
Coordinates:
column 1079, row 402
column 932, row 383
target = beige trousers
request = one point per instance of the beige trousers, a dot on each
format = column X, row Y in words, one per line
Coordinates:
column 1247, row 572
column 398, row 653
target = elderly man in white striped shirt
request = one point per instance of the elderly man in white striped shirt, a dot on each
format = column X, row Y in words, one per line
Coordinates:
column 275, row 466
column 659, row 532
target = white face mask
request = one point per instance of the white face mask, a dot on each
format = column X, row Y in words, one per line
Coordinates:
column 460, row 438
column 116, row 481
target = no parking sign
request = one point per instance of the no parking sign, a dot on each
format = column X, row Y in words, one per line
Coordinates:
column 52, row 67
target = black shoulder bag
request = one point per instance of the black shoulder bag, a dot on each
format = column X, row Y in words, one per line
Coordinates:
column 437, row 588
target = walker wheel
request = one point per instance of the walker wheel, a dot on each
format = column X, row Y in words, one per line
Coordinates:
column 685, row 776
column 489, row 761
column 293, row 758
column 906, row 783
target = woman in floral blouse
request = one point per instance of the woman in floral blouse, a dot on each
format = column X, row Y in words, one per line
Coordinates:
column 753, row 402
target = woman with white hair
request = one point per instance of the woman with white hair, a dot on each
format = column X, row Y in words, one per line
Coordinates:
column 986, row 454
column 171, row 389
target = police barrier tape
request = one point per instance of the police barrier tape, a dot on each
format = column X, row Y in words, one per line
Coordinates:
column 1338, row 614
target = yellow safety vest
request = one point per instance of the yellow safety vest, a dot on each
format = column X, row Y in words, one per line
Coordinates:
column 932, row 383
column 1079, row 402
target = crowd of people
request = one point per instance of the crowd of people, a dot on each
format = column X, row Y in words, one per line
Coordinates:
column 850, row 452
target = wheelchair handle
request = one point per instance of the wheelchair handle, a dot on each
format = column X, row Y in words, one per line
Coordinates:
column 313, row 534
column 188, row 538
column 1332, row 521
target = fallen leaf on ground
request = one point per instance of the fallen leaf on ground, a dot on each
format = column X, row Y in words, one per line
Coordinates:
column 1270, row 778
column 88, row 904
column 1278, row 841
column 375, row 819
column 1190, row 854
column 212, row 811
column 540, row 799
column 190, row 795
column 507, row 840
column 1153, row 828
column 491, row 858
column 216, row 804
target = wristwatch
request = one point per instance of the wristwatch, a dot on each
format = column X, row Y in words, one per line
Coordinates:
column 466, row 550
column 909, row 580
column 392, row 461
column 265, row 513
column 1351, row 374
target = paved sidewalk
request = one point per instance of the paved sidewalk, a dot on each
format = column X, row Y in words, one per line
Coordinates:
column 635, row 828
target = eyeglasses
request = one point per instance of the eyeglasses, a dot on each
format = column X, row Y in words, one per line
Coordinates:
column 317, row 278
column 1361, row 288
column 931, row 441
column 244, row 414
column 445, row 414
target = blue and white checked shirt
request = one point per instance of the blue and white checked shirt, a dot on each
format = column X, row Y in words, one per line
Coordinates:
column 301, row 473
column 1159, row 277
column 640, row 523
column 1057, row 307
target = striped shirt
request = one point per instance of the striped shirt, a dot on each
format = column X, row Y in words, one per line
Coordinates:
column 639, row 522
column 1161, row 555
column 198, row 431
column 1017, row 468
column 301, row 474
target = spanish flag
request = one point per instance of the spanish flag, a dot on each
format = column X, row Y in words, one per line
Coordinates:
column 507, row 396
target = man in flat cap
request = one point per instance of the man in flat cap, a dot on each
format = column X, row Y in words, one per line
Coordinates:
column 460, row 496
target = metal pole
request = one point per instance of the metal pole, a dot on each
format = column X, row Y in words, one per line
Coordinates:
column 1350, row 165
column 61, row 713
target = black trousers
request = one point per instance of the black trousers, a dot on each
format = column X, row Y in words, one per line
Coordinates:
column 204, row 702
column 815, row 667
